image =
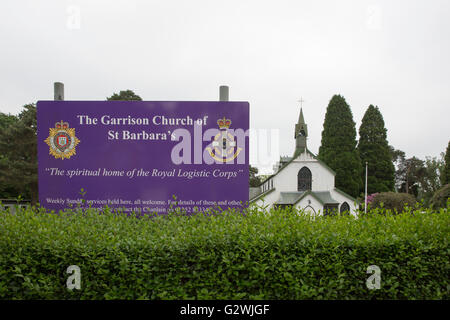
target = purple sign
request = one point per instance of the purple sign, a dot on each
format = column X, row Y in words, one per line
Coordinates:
column 143, row 155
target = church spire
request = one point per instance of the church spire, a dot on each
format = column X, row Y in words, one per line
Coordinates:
column 300, row 134
column 300, row 118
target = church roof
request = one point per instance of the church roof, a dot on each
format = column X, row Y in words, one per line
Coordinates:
column 293, row 158
column 289, row 197
column 324, row 197
column 254, row 192
column 255, row 196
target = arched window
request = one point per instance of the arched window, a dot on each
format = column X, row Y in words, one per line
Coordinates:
column 304, row 179
column 310, row 209
column 345, row 208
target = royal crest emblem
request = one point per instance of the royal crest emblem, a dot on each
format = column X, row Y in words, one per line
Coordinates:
column 62, row 141
column 224, row 147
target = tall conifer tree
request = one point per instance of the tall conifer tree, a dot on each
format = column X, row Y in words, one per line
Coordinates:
column 338, row 146
column 445, row 176
column 373, row 147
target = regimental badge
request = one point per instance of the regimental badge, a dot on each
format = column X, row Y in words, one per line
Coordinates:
column 223, row 146
column 62, row 141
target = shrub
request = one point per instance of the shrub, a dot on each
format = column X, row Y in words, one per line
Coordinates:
column 440, row 197
column 393, row 201
column 370, row 197
column 262, row 255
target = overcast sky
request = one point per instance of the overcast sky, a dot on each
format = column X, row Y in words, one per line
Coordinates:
column 393, row 54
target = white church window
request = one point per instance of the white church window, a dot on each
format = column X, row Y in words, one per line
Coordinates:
column 304, row 179
column 345, row 208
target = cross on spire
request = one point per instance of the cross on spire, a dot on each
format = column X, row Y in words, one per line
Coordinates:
column 301, row 102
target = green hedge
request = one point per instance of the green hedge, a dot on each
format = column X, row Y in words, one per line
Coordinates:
column 263, row 255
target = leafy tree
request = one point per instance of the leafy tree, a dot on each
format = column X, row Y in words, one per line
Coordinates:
column 411, row 173
column 398, row 158
column 126, row 95
column 18, row 147
column 254, row 180
column 431, row 182
column 374, row 149
column 396, row 155
column 445, row 177
column 417, row 177
column 338, row 146
column 6, row 119
column 7, row 190
column 440, row 197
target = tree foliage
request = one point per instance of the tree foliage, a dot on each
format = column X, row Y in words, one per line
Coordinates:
column 338, row 146
column 7, row 119
column 430, row 182
column 392, row 201
column 374, row 149
column 418, row 177
column 254, row 180
column 7, row 189
column 414, row 172
column 445, row 177
column 397, row 156
column 125, row 95
column 441, row 197
column 18, row 147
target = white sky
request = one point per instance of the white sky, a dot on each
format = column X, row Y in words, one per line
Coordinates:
column 394, row 54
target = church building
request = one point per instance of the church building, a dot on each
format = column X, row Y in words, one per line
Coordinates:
column 303, row 181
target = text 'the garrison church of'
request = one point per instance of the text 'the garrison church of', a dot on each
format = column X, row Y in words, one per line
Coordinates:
column 303, row 182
